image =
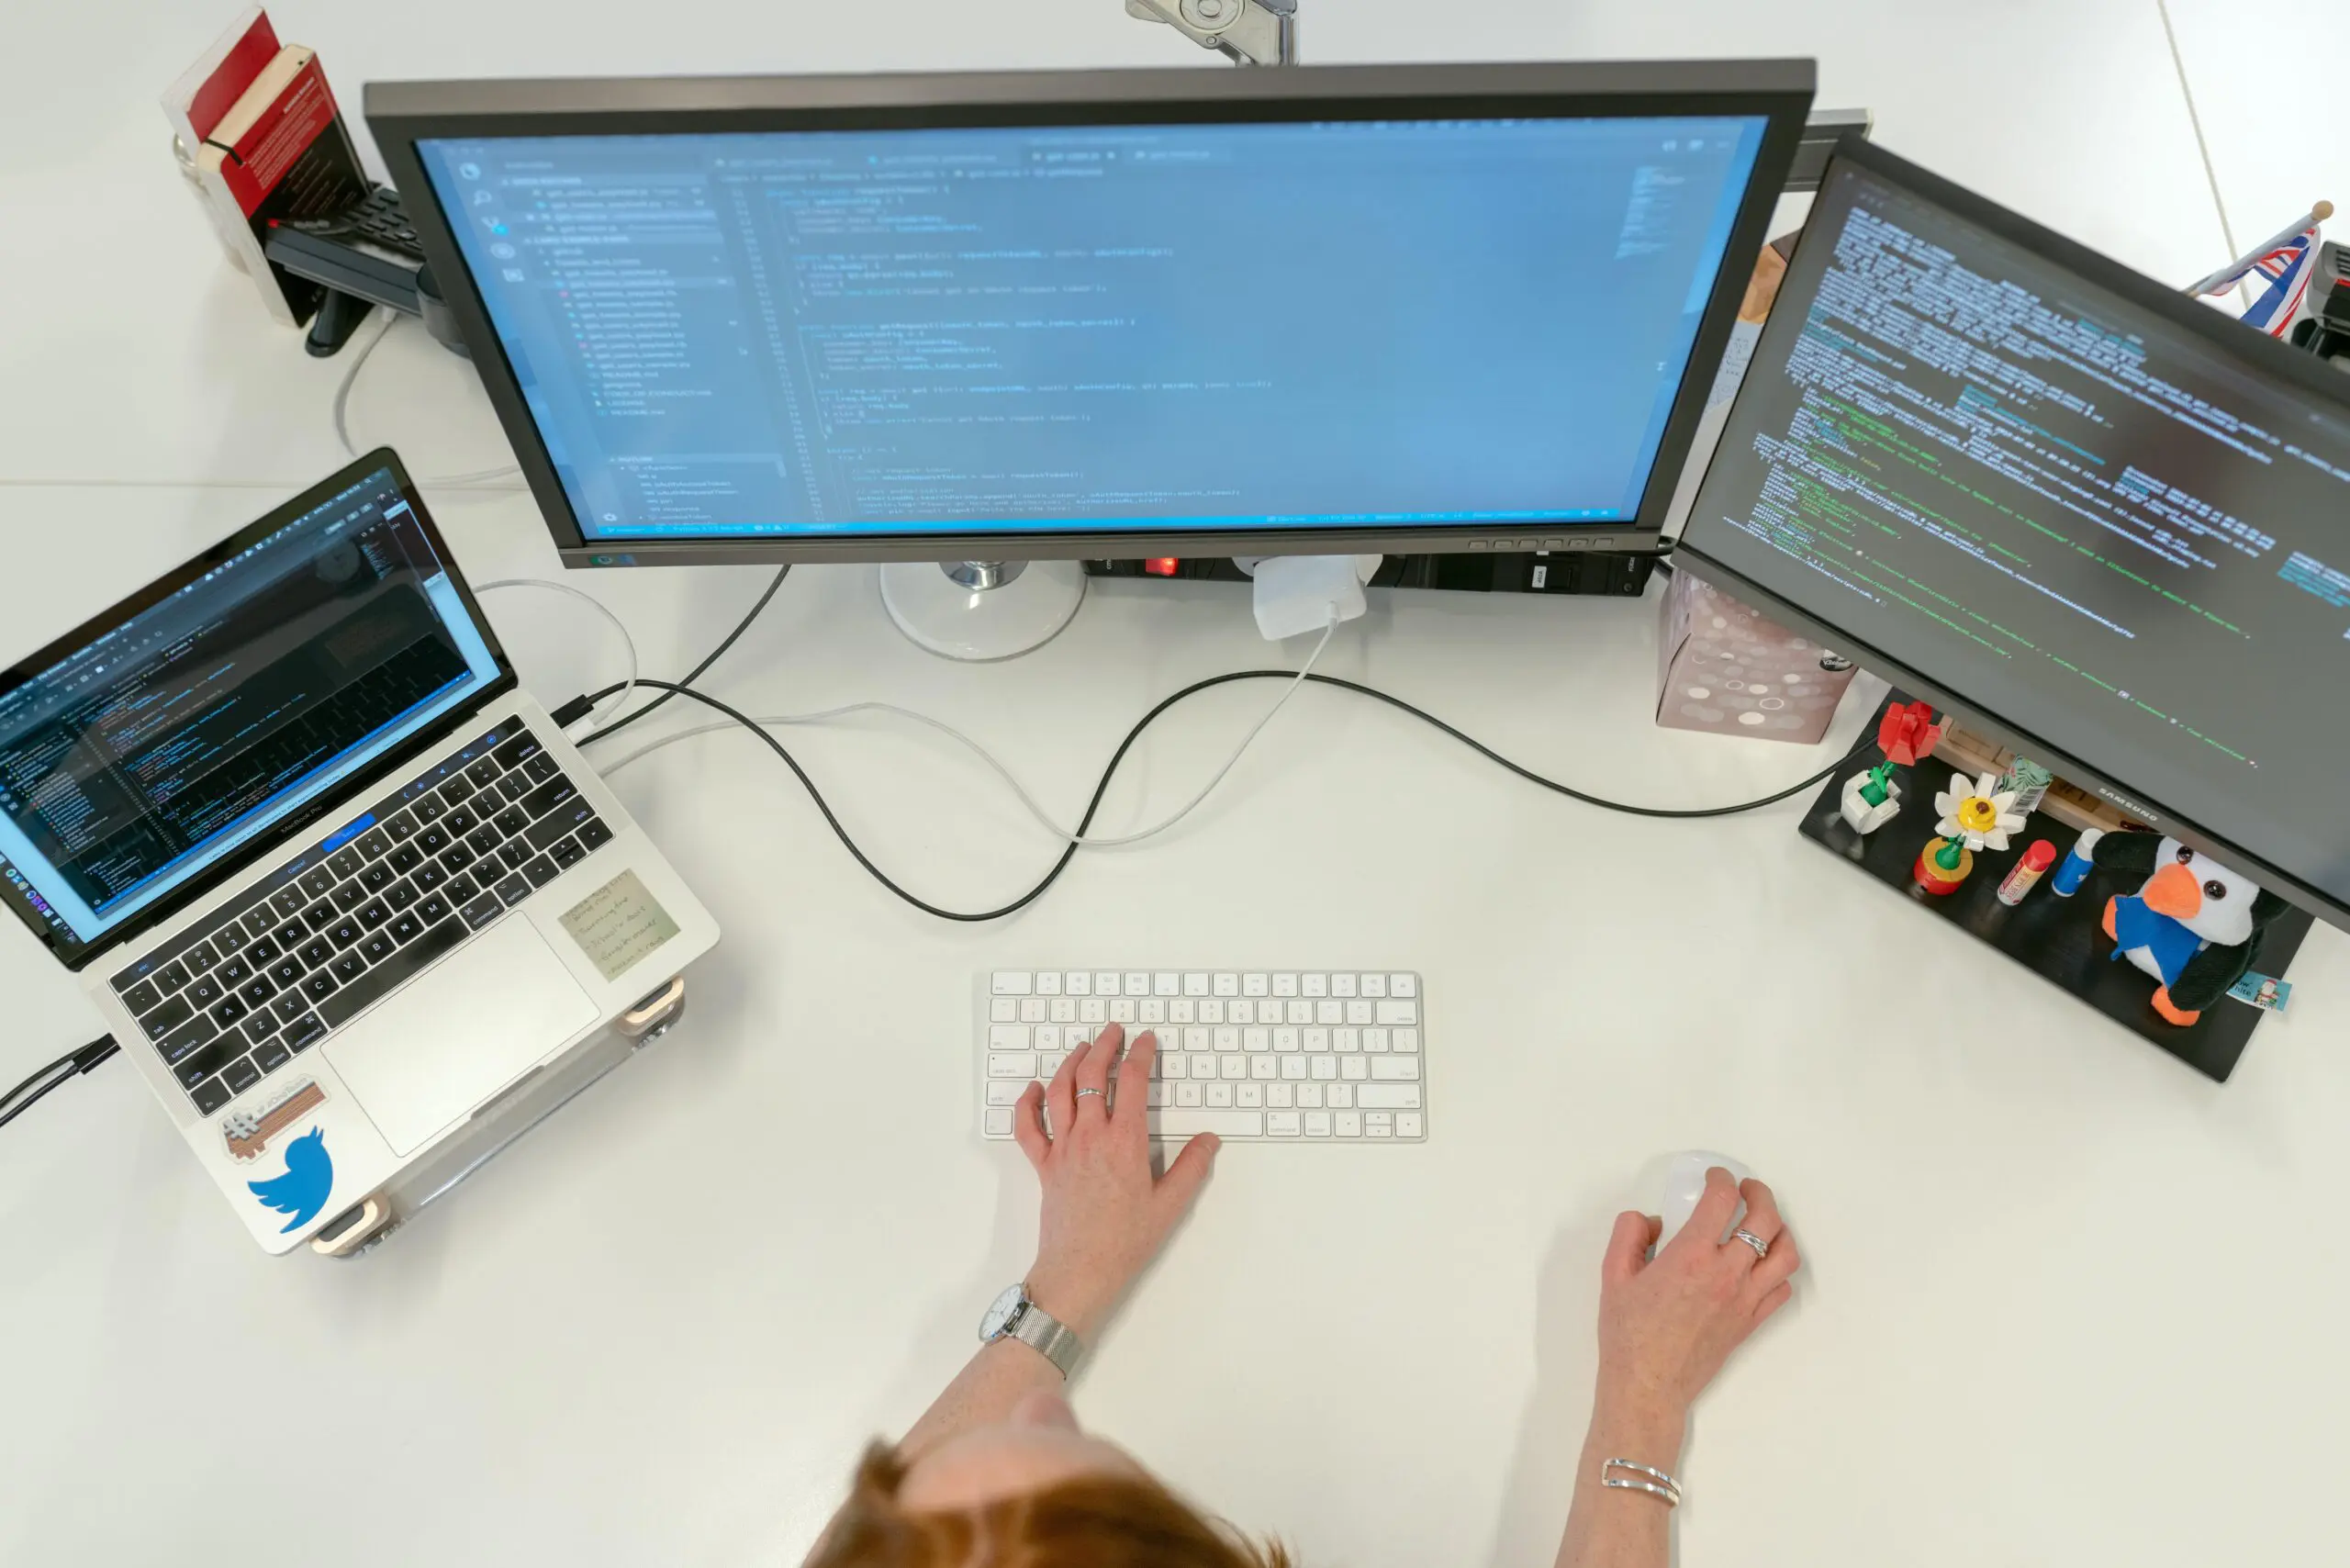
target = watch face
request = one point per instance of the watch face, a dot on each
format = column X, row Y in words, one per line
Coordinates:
column 1000, row 1316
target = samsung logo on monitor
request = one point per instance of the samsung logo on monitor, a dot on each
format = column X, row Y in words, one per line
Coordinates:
column 2133, row 807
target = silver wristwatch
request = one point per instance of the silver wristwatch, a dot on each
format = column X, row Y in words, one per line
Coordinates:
column 1015, row 1316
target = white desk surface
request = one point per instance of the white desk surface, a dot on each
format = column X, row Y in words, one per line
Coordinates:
column 2065, row 1301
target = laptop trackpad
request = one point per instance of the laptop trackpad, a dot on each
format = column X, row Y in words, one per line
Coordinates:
column 467, row 1027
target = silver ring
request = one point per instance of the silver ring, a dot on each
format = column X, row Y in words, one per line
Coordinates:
column 1084, row 1092
column 1762, row 1248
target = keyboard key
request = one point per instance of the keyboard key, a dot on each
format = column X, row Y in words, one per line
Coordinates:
column 568, row 854
column 518, row 751
column 230, row 1012
column 259, row 919
column 514, row 786
column 428, row 808
column 304, row 1033
column 393, row 972
column 289, row 1005
column 348, row 967
column 1374, row 985
column 1395, row 1068
column 1408, row 1125
column 457, row 789
column 484, row 771
column 142, row 997
column 429, row 876
column 542, row 871
column 406, row 859
column 377, row 876
column 514, row 854
column 482, row 910
column 548, row 796
column 272, row 1057
column 510, row 822
column 1012, row 1064
column 460, row 891
column 1403, row 985
column 398, row 828
column 287, row 971
column 457, row 858
column 399, row 895
column 171, row 978
column 1347, row 1124
column 166, row 1017
column 1176, row 1121
column 233, row 973
column 345, row 862
column 513, row 890
column 290, row 935
column 378, row 946
column 263, row 954
column 541, row 768
column 374, row 843
column 199, row 959
column 1387, row 1096
column 204, row 1060
column 262, row 1027
column 346, row 932
column 459, row 823
column 228, row 938
column 483, row 839
column 1399, row 1011
column 210, row 1096
column 192, row 1037
column 1281, row 1124
column 202, row 991
column 1013, row 982
column 405, row 928
column 241, row 1075
column 594, row 835
column 433, row 911
column 288, row 901
column 373, row 912
column 319, row 986
column 317, row 881
column 560, row 821
column 348, row 897
column 319, row 916
column 432, row 840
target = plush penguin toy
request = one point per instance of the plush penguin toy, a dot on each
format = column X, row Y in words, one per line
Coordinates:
column 2194, row 925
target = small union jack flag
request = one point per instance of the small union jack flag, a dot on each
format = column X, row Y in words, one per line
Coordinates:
column 2286, row 266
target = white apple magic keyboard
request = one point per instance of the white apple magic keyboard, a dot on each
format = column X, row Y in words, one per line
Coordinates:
column 1274, row 1056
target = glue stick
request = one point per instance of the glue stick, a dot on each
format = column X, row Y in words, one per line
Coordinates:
column 2075, row 868
column 2026, row 871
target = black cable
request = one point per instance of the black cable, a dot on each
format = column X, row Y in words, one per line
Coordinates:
column 622, row 722
column 1069, row 852
column 73, row 1064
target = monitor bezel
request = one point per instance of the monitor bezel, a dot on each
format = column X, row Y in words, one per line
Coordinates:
column 402, row 113
column 75, row 953
column 2253, row 351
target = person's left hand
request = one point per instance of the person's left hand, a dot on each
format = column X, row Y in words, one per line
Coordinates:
column 1104, row 1215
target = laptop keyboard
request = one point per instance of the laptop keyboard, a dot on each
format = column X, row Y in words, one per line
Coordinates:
column 369, row 907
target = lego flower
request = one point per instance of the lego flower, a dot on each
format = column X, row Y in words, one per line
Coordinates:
column 1980, row 814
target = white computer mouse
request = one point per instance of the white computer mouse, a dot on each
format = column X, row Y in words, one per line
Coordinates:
column 1684, row 1183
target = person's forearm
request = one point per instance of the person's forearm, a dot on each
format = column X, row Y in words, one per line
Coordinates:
column 983, row 1392
column 1609, row 1527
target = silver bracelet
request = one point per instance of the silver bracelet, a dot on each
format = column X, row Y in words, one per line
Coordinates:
column 1668, row 1488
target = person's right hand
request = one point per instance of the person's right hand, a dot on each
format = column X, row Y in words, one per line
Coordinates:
column 1667, row 1325
column 1104, row 1215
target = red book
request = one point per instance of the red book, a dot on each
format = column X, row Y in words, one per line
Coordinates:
column 280, row 152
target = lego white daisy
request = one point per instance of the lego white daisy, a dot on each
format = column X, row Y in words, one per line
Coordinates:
column 1980, row 814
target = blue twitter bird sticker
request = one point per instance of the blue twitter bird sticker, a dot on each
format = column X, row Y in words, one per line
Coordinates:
column 302, row 1190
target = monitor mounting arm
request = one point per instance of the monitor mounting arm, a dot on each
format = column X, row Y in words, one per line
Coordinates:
column 1252, row 32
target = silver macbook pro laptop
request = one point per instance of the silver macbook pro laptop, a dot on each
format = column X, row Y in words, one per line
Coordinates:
column 335, row 882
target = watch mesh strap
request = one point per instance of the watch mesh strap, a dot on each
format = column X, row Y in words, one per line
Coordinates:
column 1045, row 1334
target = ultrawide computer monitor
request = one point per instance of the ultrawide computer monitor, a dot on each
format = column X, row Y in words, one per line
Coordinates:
column 1321, row 310
column 2101, row 519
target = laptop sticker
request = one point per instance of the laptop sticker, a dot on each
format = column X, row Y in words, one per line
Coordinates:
column 250, row 1130
column 618, row 925
column 302, row 1190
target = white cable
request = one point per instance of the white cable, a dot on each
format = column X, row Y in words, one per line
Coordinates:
column 1043, row 817
column 480, row 477
column 628, row 688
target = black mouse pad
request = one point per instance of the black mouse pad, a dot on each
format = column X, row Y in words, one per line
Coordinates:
column 2061, row 940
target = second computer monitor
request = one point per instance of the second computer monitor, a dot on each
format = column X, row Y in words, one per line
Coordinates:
column 1098, row 313
column 2101, row 518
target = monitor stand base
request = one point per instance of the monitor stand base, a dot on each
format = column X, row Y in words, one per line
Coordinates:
column 982, row 610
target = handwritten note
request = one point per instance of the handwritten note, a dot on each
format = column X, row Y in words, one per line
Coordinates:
column 619, row 924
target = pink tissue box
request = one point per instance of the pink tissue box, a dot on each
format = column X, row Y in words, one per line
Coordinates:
column 1722, row 667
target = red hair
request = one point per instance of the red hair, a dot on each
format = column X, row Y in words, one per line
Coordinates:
column 1091, row 1522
